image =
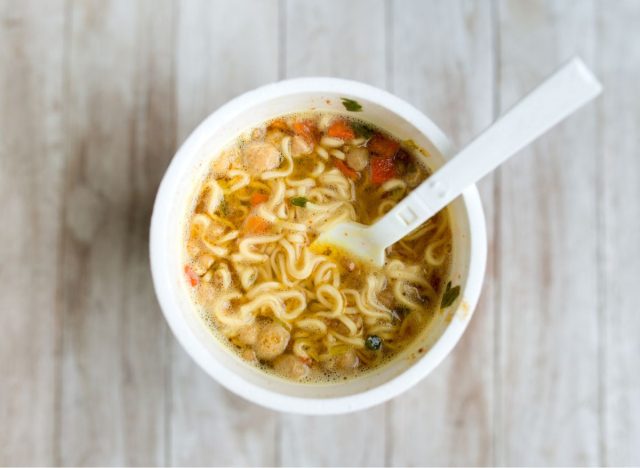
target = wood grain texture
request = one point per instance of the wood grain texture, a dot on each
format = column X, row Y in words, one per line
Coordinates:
column 119, row 138
column 619, row 68
column 548, row 348
column 336, row 38
column 95, row 97
column 453, row 407
column 223, row 49
column 31, row 167
column 341, row 45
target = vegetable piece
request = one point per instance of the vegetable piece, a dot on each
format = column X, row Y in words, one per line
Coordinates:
column 373, row 342
column 255, row 224
column 450, row 295
column 382, row 146
column 351, row 105
column 358, row 158
column 191, row 275
column 362, row 130
column 382, row 169
column 341, row 129
column 299, row 201
column 306, row 129
column 257, row 198
column 271, row 342
column 346, row 170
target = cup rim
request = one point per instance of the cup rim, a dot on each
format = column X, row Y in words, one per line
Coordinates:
column 191, row 343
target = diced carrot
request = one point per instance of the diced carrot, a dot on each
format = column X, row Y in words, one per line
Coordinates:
column 306, row 129
column 255, row 224
column 191, row 275
column 382, row 169
column 346, row 170
column 341, row 129
column 279, row 124
column 382, row 146
column 258, row 197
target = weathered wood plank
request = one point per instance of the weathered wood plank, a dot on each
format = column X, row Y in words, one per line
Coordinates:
column 347, row 40
column 334, row 38
column 619, row 67
column 548, row 373
column 442, row 62
column 223, row 49
column 144, row 334
column 120, row 136
column 31, row 168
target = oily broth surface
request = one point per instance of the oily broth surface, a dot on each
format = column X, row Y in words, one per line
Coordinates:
column 402, row 324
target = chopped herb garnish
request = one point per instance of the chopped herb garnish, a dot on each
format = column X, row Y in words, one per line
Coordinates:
column 362, row 130
column 450, row 295
column 351, row 105
column 224, row 208
column 299, row 201
column 373, row 342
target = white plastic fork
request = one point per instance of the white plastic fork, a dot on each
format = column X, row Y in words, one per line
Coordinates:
column 557, row 97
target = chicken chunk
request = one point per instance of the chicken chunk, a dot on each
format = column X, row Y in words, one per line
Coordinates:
column 290, row 366
column 260, row 156
column 271, row 342
column 248, row 335
column 358, row 158
column 224, row 161
column 348, row 360
column 249, row 355
column 300, row 146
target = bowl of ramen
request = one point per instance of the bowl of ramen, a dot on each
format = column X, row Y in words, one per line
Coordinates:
column 281, row 323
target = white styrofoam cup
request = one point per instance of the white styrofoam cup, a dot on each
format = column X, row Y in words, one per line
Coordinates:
column 175, row 197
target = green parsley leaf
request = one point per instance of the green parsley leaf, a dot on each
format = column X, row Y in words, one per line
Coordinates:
column 450, row 295
column 299, row 201
column 373, row 342
column 351, row 105
column 362, row 130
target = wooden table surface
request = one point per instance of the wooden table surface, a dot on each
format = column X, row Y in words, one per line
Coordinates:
column 95, row 96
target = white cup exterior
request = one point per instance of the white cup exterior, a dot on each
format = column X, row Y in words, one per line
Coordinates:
column 175, row 197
